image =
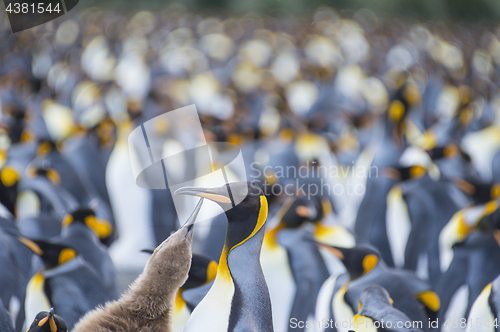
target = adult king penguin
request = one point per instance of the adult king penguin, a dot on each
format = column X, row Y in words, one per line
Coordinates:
column 239, row 298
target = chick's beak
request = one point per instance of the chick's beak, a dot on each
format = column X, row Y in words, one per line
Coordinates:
column 191, row 220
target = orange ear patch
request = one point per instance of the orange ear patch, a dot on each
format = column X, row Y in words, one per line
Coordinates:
column 369, row 262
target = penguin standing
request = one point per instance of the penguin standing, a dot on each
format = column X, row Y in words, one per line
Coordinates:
column 293, row 266
column 147, row 305
column 411, row 295
column 16, row 257
column 239, row 298
column 67, row 283
column 81, row 230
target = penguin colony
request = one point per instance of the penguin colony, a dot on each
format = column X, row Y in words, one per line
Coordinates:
column 372, row 154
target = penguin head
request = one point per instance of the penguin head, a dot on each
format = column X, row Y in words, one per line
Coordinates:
column 480, row 192
column 358, row 261
column 44, row 170
column 448, row 151
column 202, row 271
column 44, row 147
column 174, row 254
column 52, row 254
column 9, row 178
column 86, row 216
column 48, row 322
column 294, row 212
column 414, row 172
column 374, row 296
column 300, row 211
column 244, row 204
column 464, row 222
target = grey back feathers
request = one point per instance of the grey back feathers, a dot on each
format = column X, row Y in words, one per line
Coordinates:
column 376, row 304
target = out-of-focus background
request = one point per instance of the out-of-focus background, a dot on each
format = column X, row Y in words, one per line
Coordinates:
column 342, row 84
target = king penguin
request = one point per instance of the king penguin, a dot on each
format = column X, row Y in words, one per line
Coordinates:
column 365, row 266
column 48, row 322
column 81, row 230
column 239, row 298
column 67, row 283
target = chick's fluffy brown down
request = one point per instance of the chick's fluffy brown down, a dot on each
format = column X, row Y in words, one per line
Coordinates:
column 146, row 306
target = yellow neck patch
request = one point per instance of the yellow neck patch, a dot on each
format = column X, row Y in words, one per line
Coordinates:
column 68, row 219
column 43, row 321
column 430, row 299
column 223, row 270
column 54, row 177
column 369, row 262
column 396, row 111
column 53, row 326
column 450, row 151
column 43, row 149
column 212, row 271
column 66, row 255
column 417, row 172
column 495, row 191
column 9, row 176
column 102, row 228
column 179, row 301
column 271, row 237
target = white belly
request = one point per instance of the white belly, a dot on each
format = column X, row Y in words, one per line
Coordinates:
column 481, row 318
column 212, row 313
column 131, row 206
column 280, row 283
column 36, row 300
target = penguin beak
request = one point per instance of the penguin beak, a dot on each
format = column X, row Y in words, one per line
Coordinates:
column 190, row 222
column 218, row 195
column 335, row 251
column 31, row 245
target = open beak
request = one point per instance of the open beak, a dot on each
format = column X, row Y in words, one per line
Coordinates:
column 192, row 218
column 218, row 195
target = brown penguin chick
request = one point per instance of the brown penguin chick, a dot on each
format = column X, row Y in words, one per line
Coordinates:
column 147, row 305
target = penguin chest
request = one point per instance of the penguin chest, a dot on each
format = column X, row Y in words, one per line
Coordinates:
column 398, row 225
column 36, row 299
column 341, row 310
column 212, row 313
column 324, row 301
column 280, row 283
column 481, row 318
column 180, row 314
